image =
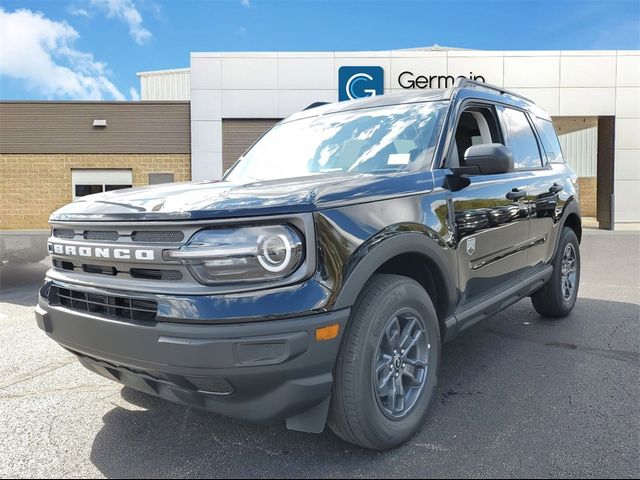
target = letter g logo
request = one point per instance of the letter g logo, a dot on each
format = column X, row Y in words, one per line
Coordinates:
column 360, row 82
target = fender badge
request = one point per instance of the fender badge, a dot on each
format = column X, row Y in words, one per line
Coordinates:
column 471, row 246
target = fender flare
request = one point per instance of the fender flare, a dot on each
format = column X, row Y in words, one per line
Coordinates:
column 571, row 207
column 376, row 252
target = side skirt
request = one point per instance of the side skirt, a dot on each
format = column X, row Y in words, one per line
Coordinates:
column 496, row 301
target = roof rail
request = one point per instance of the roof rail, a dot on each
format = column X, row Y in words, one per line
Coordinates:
column 463, row 82
column 314, row 105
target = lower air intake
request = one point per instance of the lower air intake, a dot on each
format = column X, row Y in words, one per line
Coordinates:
column 122, row 308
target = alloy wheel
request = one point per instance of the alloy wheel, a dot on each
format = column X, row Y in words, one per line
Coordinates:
column 568, row 271
column 401, row 363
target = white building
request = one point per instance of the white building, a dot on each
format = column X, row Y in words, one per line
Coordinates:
column 594, row 97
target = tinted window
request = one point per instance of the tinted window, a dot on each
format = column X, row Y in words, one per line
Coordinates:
column 82, row 190
column 524, row 145
column 550, row 141
column 90, row 181
column 475, row 127
column 109, row 188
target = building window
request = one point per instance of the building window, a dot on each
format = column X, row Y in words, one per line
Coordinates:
column 87, row 182
column 159, row 178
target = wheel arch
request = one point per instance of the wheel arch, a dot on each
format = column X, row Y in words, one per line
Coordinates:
column 570, row 218
column 412, row 254
column 574, row 222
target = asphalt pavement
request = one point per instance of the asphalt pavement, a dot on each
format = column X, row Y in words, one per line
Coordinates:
column 519, row 396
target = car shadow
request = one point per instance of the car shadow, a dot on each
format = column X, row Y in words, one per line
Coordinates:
column 156, row 438
column 19, row 283
column 160, row 439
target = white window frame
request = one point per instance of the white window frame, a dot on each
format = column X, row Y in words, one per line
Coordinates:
column 100, row 176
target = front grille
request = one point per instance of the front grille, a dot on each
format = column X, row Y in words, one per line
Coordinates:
column 122, row 308
column 140, row 273
column 149, row 236
column 90, row 251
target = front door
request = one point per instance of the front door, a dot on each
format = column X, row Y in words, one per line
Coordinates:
column 491, row 224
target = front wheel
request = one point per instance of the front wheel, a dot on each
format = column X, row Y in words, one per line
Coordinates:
column 386, row 371
column 558, row 297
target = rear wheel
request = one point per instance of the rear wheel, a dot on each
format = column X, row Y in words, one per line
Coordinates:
column 386, row 371
column 558, row 297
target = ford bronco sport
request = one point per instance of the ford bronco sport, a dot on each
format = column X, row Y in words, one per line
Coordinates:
column 317, row 282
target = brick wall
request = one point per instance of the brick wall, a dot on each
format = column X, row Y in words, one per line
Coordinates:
column 34, row 185
column 588, row 196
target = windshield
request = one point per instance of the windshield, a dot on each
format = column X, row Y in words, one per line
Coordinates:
column 373, row 140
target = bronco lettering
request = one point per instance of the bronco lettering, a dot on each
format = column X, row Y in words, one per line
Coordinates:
column 101, row 252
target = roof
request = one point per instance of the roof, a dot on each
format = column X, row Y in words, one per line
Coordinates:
column 463, row 87
column 412, row 96
column 433, row 48
column 164, row 72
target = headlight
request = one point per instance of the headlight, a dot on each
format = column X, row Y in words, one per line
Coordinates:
column 242, row 254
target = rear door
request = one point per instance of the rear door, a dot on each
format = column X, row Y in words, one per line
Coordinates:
column 548, row 194
column 543, row 183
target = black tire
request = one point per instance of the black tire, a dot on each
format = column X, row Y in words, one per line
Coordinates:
column 552, row 300
column 357, row 413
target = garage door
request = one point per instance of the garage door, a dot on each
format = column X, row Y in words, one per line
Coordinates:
column 239, row 134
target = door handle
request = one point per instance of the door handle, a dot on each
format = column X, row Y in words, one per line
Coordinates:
column 516, row 194
column 555, row 188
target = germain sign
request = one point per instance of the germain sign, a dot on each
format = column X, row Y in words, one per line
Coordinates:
column 408, row 80
column 367, row 81
column 359, row 82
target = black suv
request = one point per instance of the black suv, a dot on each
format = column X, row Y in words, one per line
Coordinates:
column 319, row 279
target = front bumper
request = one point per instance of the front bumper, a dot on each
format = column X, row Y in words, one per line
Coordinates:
column 259, row 371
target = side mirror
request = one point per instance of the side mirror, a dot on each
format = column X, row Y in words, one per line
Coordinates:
column 489, row 158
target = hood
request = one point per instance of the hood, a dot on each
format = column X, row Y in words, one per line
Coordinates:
column 210, row 200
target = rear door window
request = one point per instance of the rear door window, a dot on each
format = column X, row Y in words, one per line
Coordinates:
column 522, row 139
column 549, row 139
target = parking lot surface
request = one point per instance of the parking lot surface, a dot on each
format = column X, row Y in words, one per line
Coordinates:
column 518, row 396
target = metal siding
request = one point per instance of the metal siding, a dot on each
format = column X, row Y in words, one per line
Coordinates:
column 67, row 127
column 580, row 149
column 239, row 135
column 166, row 85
